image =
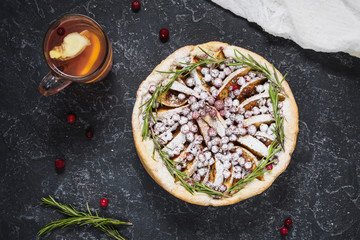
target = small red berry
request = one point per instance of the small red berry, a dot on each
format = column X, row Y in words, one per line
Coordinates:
column 284, row 231
column 89, row 133
column 104, row 202
column 71, row 118
column 59, row 163
column 164, row 34
column 60, row 31
column 135, row 5
column 236, row 87
column 288, row 222
column 269, row 167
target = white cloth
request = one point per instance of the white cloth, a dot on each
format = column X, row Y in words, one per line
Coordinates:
column 321, row 25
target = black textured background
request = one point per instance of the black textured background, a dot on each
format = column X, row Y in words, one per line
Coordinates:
column 319, row 190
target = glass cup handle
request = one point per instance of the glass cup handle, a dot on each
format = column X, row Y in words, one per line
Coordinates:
column 51, row 84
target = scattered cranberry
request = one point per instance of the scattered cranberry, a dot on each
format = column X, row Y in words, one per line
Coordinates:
column 135, row 5
column 284, row 231
column 104, row 202
column 288, row 222
column 235, row 87
column 71, row 118
column 89, row 133
column 164, row 34
column 270, row 167
column 60, row 31
column 59, row 163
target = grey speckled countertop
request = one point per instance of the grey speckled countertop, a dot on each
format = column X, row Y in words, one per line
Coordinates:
column 319, row 190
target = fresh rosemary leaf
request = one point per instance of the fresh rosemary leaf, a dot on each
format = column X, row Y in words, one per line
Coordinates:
column 80, row 218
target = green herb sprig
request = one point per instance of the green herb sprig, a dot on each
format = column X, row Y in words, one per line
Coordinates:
column 263, row 69
column 80, row 218
column 259, row 170
column 183, row 178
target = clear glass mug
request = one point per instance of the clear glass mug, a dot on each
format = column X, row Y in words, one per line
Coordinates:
column 91, row 65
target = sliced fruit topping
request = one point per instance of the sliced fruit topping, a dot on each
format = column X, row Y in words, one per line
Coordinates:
column 258, row 120
column 254, row 145
column 249, row 88
column 72, row 46
column 231, row 81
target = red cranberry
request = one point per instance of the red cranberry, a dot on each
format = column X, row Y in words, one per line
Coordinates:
column 284, row 231
column 135, row 5
column 60, row 31
column 89, row 133
column 164, row 34
column 104, row 202
column 219, row 105
column 235, row 87
column 59, row 163
column 222, row 113
column 288, row 222
column 269, row 167
column 71, row 118
column 212, row 113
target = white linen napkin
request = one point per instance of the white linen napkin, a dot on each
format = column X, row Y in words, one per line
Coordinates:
column 321, row 25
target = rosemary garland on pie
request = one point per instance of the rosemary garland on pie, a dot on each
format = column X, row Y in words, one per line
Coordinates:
column 239, row 60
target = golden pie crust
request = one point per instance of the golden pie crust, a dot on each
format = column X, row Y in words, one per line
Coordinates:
column 156, row 168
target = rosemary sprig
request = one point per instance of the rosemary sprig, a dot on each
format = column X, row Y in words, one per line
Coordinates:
column 279, row 121
column 80, row 218
column 183, row 178
column 251, row 62
column 259, row 170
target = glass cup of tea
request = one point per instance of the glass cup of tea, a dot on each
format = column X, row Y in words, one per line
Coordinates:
column 76, row 49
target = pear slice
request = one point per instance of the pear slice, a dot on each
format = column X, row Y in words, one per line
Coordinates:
column 258, row 120
column 265, row 138
column 231, row 80
column 72, row 46
column 165, row 113
column 248, row 89
column 254, row 145
column 170, row 98
column 218, row 123
column 253, row 101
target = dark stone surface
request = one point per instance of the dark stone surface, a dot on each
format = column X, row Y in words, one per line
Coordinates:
column 319, row 190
